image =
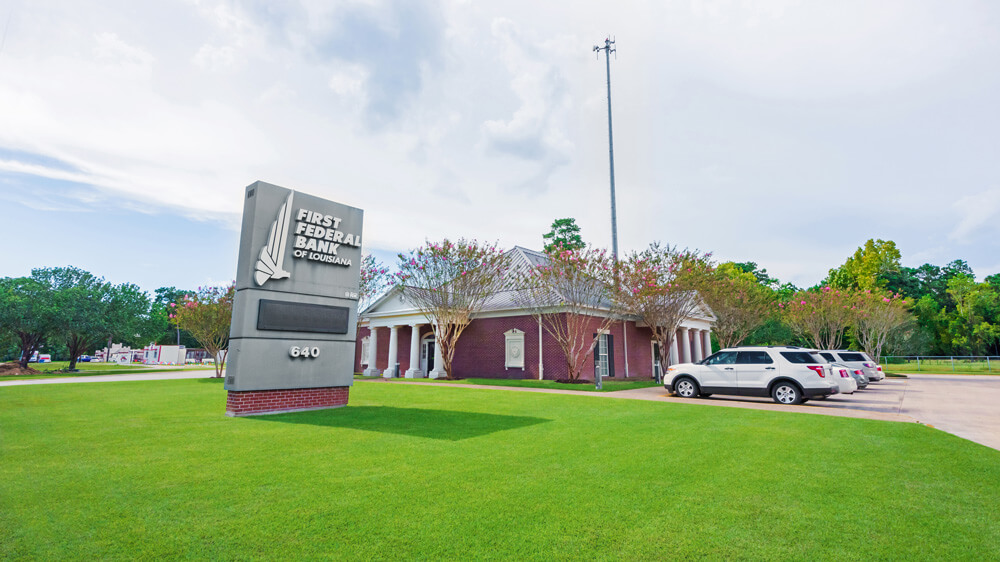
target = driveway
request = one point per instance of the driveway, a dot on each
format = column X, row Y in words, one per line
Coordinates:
column 966, row 406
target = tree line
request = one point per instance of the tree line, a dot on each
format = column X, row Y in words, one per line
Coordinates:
column 870, row 302
column 69, row 312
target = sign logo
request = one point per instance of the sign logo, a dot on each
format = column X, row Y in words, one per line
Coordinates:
column 270, row 265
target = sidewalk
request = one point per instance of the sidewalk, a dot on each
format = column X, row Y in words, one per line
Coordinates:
column 114, row 378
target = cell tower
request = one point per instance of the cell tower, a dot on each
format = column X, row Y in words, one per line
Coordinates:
column 609, row 48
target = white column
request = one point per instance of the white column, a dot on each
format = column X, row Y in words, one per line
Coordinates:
column 685, row 346
column 708, row 341
column 438, row 372
column 674, row 356
column 414, row 371
column 697, row 347
column 371, row 371
column 541, row 352
column 393, row 352
column 625, row 344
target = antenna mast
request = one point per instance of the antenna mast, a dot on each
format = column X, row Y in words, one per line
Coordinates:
column 609, row 48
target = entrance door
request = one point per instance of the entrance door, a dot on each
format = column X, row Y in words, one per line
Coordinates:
column 427, row 355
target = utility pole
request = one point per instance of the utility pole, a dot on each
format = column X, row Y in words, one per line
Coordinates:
column 608, row 48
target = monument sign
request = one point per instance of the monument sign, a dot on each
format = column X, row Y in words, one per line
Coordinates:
column 295, row 312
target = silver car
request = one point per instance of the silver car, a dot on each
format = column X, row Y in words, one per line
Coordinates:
column 858, row 361
column 858, row 374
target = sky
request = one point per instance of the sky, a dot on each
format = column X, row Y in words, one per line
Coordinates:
column 783, row 132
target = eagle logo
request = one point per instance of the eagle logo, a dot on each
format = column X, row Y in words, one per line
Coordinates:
column 272, row 256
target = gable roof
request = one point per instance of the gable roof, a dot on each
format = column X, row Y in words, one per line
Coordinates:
column 523, row 261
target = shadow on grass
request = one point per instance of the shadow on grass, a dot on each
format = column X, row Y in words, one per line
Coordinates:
column 212, row 380
column 434, row 424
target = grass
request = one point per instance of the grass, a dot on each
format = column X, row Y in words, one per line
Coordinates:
column 141, row 470
column 50, row 370
column 608, row 385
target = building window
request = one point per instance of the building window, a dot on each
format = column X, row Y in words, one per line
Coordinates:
column 604, row 355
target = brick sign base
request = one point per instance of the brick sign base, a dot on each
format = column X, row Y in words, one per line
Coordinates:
column 253, row 402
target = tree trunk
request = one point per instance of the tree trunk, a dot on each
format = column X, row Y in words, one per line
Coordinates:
column 76, row 346
column 220, row 362
column 29, row 344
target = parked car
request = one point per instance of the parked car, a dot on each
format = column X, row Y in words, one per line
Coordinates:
column 44, row 358
column 858, row 360
column 859, row 375
column 848, row 384
column 84, row 359
column 789, row 375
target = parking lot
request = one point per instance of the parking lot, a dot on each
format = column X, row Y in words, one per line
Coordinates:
column 966, row 406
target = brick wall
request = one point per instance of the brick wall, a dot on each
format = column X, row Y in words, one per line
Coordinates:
column 481, row 349
column 250, row 402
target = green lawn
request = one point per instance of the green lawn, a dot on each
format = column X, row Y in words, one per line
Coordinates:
column 608, row 385
column 48, row 370
column 153, row 469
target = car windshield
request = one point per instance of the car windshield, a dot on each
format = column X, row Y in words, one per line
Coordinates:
column 802, row 357
column 853, row 357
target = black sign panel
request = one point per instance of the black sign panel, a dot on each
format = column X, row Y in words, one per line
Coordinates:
column 301, row 317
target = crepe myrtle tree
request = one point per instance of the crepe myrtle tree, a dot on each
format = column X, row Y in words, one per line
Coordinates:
column 450, row 282
column 740, row 301
column 821, row 317
column 571, row 297
column 207, row 315
column 375, row 279
column 876, row 316
column 659, row 286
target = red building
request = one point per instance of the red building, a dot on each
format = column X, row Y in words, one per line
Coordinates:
column 506, row 341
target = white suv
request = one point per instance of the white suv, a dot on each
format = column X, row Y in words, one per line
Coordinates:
column 858, row 360
column 789, row 375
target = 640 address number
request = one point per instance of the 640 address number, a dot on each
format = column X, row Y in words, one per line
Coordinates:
column 305, row 352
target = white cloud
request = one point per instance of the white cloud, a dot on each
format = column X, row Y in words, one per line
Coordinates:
column 738, row 125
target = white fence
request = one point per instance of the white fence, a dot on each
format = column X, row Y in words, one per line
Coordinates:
column 943, row 363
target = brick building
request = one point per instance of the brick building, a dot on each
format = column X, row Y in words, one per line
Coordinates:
column 505, row 341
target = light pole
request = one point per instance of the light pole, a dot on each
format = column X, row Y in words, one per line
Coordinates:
column 608, row 48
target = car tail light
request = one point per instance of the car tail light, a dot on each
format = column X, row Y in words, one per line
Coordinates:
column 859, row 372
column 879, row 367
column 818, row 369
column 844, row 374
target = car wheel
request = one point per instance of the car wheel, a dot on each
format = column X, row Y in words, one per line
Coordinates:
column 686, row 388
column 786, row 393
